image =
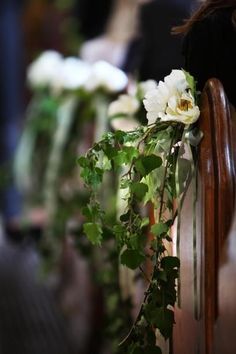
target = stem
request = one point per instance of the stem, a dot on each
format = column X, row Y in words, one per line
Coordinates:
column 165, row 173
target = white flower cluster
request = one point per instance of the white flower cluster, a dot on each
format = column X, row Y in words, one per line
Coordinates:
column 123, row 110
column 51, row 70
column 172, row 100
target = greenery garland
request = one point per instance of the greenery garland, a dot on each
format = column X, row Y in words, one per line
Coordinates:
column 158, row 174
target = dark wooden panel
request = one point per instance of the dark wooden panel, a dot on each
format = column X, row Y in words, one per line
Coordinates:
column 200, row 254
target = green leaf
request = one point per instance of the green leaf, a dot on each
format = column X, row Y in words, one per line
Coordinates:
column 120, row 136
column 145, row 164
column 145, row 222
column 165, row 321
column 162, row 275
column 159, row 229
column 91, row 212
column 131, row 153
column 94, row 232
column 110, row 151
column 191, row 82
column 161, row 318
column 120, row 158
column 83, row 161
column 93, row 176
column 131, row 258
column 119, row 232
column 137, row 241
column 170, row 262
column 139, row 190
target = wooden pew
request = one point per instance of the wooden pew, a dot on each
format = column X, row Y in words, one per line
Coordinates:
column 199, row 308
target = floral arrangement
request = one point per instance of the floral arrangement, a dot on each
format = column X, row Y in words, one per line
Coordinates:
column 67, row 93
column 154, row 175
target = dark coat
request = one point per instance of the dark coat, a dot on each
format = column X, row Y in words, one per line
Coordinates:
column 158, row 50
column 210, row 51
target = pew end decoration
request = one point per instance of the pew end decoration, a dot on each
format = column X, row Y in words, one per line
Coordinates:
column 154, row 173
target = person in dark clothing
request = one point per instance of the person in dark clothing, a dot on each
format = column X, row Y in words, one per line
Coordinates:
column 158, row 52
column 11, row 107
column 210, row 44
column 92, row 16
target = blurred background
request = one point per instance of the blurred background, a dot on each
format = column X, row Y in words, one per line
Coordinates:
column 67, row 311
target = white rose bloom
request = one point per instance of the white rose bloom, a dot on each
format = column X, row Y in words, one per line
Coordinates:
column 155, row 102
column 125, row 104
column 171, row 101
column 176, row 81
column 146, row 86
column 181, row 109
column 107, row 76
column 124, row 124
column 45, row 69
column 74, row 74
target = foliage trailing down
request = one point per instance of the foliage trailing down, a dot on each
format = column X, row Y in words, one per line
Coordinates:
column 156, row 171
column 150, row 155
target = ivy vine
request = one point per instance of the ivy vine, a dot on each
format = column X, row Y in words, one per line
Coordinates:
column 150, row 156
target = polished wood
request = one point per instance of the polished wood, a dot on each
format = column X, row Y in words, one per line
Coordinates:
column 200, row 257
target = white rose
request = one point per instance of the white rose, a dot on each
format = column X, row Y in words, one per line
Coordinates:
column 176, row 81
column 155, row 102
column 146, row 86
column 74, row 74
column 171, row 100
column 124, row 124
column 107, row 76
column 124, row 105
column 44, row 69
column 181, row 109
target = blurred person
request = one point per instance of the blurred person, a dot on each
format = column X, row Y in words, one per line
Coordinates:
column 135, row 35
column 113, row 36
column 93, row 16
column 156, row 52
column 11, row 107
column 210, row 44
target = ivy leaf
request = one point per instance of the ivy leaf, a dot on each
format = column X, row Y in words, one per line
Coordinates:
column 137, row 241
column 139, row 190
column 83, row 161
column 93, row 176
column 164, row 322
column 131, row 153
column 162, row 275
column 94, row 232
column 120, row 159
column 91, row 212
column 145, row 222
column 110, row 151
column 162, row 318
column 120, row 136
column 168, row 263
column 131, row 258
column 190, row 80
column 159, row 229
column 145, row 164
